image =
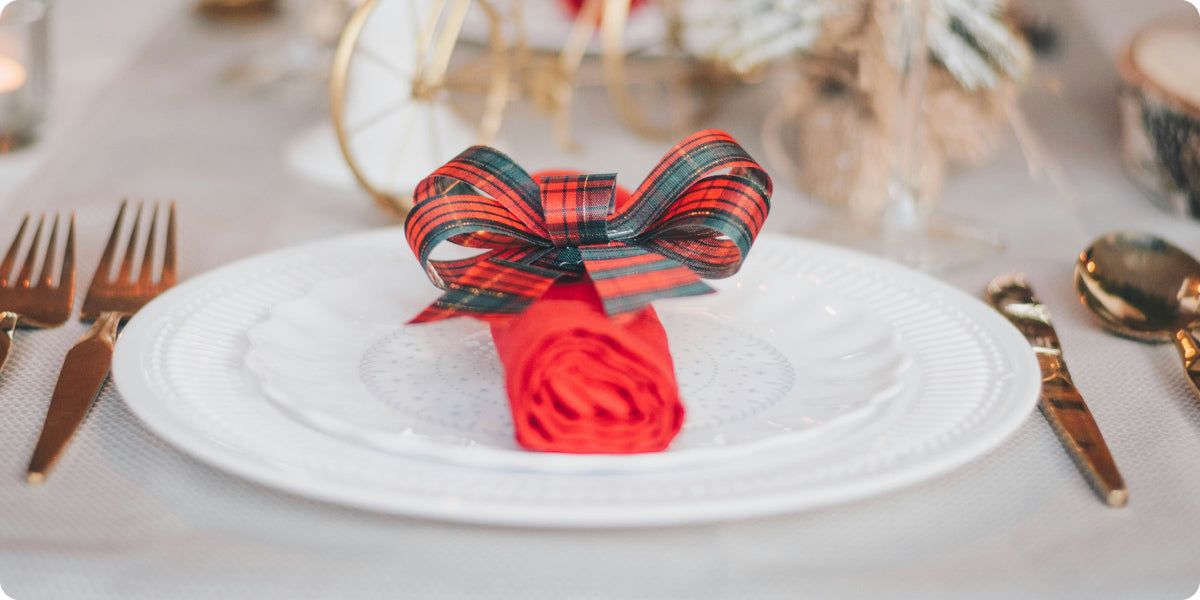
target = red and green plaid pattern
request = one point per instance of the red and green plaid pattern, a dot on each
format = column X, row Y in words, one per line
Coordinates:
column 696, row 215
column 576, row 208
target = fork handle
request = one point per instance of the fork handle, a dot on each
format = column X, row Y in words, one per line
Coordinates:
column 8, row 324
column 83, row 372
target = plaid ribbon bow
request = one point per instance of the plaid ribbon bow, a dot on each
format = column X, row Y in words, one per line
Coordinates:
column 694, row 216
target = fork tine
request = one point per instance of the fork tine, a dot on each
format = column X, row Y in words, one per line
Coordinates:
column 66, row 277
column 104, row 269
column 11, row 256
column 147, row 272
column 48, row 262
column 168, row 273
column 131, row 248
column 31, row 256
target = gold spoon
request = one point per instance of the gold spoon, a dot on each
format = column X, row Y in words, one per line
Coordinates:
column 1145, row 288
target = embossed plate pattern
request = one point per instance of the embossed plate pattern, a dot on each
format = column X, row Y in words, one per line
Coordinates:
column 965, row 381
column 767, row 363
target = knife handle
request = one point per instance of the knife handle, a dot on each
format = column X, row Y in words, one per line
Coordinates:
column 1189, row 351
column 83, row 372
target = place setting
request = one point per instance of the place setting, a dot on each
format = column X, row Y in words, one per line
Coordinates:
column 302, row 373
column 335, row 369
column 814, row 375
column 799, row 375
column 831, row 297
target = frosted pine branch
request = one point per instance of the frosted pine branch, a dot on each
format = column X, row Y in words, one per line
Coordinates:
column 969, row 37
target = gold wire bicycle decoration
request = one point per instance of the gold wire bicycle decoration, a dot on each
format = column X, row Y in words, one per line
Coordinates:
column 409, row 86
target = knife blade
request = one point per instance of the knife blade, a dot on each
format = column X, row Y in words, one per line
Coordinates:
column 1060, row 401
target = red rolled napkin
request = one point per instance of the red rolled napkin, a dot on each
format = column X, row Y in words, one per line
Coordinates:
column 581, row 382
column 569, row 267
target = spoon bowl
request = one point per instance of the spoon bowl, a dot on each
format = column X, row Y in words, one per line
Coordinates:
column 1142, row 286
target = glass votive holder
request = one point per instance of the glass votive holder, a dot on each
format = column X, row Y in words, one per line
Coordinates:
column 24, row 77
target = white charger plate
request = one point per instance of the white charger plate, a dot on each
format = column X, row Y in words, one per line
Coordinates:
column 918, row 378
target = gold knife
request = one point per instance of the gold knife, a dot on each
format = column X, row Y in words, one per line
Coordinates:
column 1060, row 401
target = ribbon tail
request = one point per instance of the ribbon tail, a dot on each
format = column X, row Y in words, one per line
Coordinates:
column 492, row 290
column 628, row 277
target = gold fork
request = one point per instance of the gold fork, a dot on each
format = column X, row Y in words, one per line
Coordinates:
column 36, row 303
column 108, row 301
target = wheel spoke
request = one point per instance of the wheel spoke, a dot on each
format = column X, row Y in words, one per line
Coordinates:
column 428, row 28
column 375, row 57
column 398, row 156
column 378, row 116
column 446, row 40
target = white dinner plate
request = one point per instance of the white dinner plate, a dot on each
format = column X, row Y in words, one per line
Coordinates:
column 814, row 376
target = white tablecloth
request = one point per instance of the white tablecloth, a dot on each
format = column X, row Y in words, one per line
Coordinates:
column 126, row 516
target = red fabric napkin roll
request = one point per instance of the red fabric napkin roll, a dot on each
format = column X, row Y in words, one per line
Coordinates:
column 580, row 382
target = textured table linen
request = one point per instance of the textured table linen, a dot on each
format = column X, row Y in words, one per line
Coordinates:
column 126, row 516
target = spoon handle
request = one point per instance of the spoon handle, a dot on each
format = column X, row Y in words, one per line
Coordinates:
column 1189, row 351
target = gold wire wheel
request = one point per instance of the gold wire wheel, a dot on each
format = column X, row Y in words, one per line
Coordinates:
column 658, row 90
column 402, row 85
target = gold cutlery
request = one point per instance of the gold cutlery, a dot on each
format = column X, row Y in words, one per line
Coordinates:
column 1060, row 401
column 1145, row 288
column 36, row 303
column 108, row 301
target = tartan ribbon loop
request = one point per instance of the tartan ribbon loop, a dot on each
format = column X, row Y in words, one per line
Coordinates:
column 576, row 208
column 696, row 215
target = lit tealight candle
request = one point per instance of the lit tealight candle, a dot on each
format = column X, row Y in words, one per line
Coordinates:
column 12, row 74
column 23, row 95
